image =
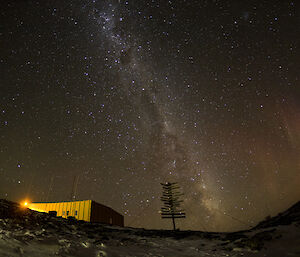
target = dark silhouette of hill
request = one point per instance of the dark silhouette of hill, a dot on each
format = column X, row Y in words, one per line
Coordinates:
column 284, row 218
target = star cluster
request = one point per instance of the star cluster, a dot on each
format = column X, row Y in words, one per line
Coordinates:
column 129, row 94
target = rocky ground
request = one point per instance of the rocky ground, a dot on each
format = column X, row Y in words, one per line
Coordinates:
column 28, row 233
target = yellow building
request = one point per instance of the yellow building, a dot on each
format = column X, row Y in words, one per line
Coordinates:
column 87, row 210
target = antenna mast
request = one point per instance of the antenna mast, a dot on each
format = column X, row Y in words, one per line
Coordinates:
column 74, row 188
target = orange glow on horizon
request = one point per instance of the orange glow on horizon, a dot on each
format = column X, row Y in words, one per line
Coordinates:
column 25, row 203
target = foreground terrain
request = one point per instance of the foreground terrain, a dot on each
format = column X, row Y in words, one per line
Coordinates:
column 28, row 233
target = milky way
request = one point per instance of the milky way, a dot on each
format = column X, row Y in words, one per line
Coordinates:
column 129, row 94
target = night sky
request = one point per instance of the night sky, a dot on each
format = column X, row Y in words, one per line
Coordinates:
column 129, row 94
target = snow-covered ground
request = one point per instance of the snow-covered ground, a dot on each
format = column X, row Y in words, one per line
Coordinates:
column 28, row 233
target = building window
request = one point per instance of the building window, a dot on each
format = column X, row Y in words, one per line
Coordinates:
column 63, row 213
column 75, row 213
column 67, row 213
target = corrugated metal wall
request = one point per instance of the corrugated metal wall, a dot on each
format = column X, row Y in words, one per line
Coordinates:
column 87, row 210
column 79, row 209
